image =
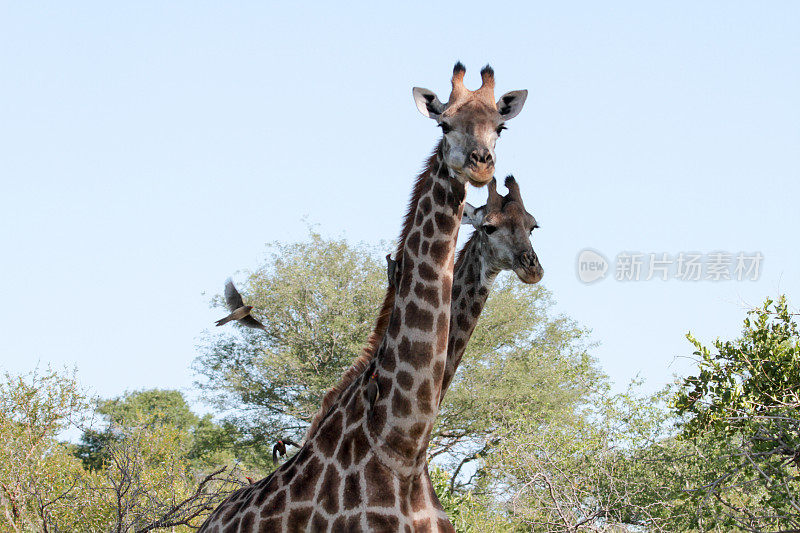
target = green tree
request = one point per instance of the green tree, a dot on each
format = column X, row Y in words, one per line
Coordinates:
column 318, row 300
column 467, row 512
column 147, row 481
column 156, row 406
column 521, row 359
column 160, row 406
column 39, row 478
column 592, row 472
column 146, row 472
column 206, row 442
column 155, row 464
column 745, row 400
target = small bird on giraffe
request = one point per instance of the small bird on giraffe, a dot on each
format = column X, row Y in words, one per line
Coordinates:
column 393, row 270
column 373, row 392
column 239, row 311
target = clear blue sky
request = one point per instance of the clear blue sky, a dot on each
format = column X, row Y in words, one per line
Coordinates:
column 148, row 151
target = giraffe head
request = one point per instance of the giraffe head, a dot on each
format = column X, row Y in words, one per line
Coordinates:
column 504, row 227
column 471, row 122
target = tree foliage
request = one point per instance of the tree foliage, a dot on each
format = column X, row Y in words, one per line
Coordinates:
column 146, row 470
column 147, row 481
column 521, row 359
column 746, row 401
column 38, row 475
column 318, row 301
column 529, row 437
column 152, row 465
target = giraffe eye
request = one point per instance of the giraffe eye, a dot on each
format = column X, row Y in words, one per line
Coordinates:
column 446, row 128
column 489, row 229
column 500, row 128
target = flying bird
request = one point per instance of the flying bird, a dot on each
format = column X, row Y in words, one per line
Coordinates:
column 239, row 311
column 280, row 448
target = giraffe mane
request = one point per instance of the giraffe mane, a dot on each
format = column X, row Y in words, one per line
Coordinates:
column 374, row 340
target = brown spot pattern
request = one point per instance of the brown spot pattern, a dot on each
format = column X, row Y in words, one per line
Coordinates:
column 422, row 526
column 329, row 434
column 352, row 491
column 445, row 223
column 425, row 206
column 401, row 406
column 379, row 484
column 329, row 492
column 412, row 243
column 275, row 506
column 269, row 526
column 303, row 487
column 438, row 370
column 424, row 396
column 428, row 229
column 298, row 519
column 381, row 523
column 440, row 252
column 439, row 194
column 427, row 272
column 318, row 523
column 442, row 331
column 247, row 521
column 400, row 444
column 418, row 318
column 345, row 456
column 360, row 445
column 427, row 293
column 404, row 379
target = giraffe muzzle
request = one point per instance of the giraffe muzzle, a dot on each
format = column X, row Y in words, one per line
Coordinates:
column 479, row 174
column 529, row 270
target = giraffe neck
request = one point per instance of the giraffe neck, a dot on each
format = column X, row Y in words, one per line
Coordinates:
column 358, row 469
column 411, row 359
column 472, row 280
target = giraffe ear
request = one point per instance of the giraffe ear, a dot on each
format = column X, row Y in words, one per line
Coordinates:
column 428, row 103
column 472, row 215
column 510, row 104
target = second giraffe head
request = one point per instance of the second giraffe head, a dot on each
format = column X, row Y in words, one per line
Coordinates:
column 504, row 227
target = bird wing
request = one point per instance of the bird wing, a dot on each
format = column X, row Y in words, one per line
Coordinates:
column 251, row 322
column 275, row 454
column 232, row 297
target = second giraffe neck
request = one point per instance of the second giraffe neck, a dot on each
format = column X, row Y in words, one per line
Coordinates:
column 411, row 359
column 472, row 281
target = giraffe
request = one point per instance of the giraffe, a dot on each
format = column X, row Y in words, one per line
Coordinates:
column 357, row 470
column 486, row 254
column 500, row 242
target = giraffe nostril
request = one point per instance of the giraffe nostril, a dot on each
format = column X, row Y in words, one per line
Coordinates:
column 480, row 156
